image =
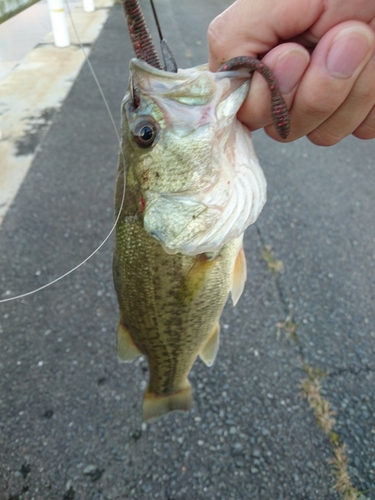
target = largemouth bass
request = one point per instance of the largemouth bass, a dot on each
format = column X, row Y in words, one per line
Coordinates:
column 193, row 184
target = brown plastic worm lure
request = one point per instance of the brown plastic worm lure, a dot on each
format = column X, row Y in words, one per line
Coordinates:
column 280, row 113
column 143, row 45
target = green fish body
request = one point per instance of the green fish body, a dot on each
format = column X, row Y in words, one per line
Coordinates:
column 192, row 186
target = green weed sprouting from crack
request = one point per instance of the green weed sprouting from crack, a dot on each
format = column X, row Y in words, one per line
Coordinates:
column 324, row 415
column 288, row 326
column 340, row 471
column 311, row 390
column 323, row 412
column 273, row 265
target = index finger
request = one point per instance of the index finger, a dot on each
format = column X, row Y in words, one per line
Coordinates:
column 252, row 27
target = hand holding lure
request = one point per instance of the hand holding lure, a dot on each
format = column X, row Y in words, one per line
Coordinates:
column 193, row 185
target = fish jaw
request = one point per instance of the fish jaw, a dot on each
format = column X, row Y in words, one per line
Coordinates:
column 201, row 184
column 204, row 221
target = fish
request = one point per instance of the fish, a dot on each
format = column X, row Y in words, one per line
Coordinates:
column 188, row 185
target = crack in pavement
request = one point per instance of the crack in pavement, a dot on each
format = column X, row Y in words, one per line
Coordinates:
column 311, row 386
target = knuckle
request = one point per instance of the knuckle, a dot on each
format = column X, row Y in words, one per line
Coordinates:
column 213, row 35
column 318, row 109
column 216, row 42
column 367, row 94
column 363, row 93
column 365, row 82
column 322, row 99
column 365, row 132
column 366, row 129
column 323, row 137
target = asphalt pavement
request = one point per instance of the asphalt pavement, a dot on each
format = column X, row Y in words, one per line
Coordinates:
column 70, row 414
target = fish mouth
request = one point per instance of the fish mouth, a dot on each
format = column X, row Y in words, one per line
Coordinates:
column 136, row 63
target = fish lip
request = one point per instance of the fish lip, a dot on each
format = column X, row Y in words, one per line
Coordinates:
column 138, row 64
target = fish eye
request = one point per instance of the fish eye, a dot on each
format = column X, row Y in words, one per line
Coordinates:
column 144, row 134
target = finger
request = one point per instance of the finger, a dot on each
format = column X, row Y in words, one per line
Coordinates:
column 337, row 11
column 367, row 128
column 288, row 63
column 354, row 110
column 335, row 65
column 251, row 27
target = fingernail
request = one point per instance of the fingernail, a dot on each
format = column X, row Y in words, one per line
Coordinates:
column 347, row 52
column 290, row 67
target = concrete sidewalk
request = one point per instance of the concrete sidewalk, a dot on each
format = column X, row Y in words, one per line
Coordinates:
column 35, row 81
column 70, row 425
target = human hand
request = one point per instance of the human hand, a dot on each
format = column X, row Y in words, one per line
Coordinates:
column 322, row 54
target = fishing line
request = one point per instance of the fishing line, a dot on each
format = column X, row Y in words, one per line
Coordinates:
column 168, row 58
column 156, row 19
column 87, row 60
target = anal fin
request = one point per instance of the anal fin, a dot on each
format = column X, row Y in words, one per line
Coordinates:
column 209, row 350
column 157, row 405
column 127, row 351
column 239, row 276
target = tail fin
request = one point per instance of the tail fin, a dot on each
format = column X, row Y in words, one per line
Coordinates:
column 157, row 405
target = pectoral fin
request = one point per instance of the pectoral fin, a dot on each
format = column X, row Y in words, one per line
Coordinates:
column 209, row 350
column 196, row 278
column 239, row 276
column 157, row 405
column 127, row 351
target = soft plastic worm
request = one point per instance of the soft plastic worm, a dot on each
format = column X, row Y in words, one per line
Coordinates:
column 143, row 45
column 280, row 113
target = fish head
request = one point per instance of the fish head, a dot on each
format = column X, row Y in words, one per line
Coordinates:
column 181, row 138
column 173, row 121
